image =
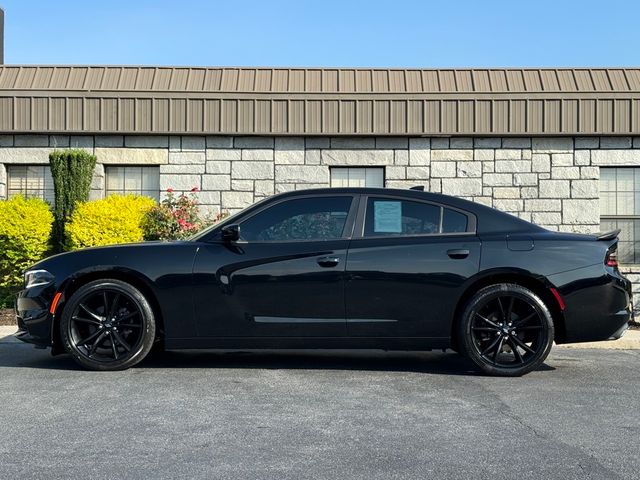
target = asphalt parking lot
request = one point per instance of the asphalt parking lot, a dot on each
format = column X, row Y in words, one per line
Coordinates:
column 318, row 415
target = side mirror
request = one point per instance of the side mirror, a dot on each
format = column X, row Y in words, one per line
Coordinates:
column 231, row 233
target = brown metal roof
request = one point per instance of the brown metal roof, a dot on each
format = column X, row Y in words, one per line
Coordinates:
column 315, row 101
column 316, row 80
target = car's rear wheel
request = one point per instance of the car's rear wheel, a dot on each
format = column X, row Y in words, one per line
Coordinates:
column 506, row 330
column 108, row 325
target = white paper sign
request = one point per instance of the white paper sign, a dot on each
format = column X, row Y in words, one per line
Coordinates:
column 387, row 217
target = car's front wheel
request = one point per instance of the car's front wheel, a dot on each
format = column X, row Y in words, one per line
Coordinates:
column 506, row 330
column 108, row 325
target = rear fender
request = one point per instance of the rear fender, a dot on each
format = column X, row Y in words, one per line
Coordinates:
column 536, row 283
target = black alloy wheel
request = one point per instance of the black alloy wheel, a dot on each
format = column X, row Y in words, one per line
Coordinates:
column 108, row 325
column 506, row 330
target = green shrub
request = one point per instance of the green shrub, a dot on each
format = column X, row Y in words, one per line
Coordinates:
column 7, row 295
column 115, row 219
column 72, row 171
column 177, row 217
column 25, row 228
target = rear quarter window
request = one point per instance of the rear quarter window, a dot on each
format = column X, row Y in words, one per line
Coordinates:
column 454, row 222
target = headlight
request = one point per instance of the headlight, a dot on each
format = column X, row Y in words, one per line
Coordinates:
column 36, row 278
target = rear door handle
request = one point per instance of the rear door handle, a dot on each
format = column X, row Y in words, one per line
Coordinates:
column 458, row 253
column 328, row 262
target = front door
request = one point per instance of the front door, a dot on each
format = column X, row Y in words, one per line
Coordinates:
column 406, row 268
column 284, row 278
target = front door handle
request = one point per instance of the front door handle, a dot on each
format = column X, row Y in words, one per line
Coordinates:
column 458, row 253
column 328, row 262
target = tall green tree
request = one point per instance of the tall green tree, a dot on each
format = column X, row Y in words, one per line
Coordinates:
column 72, row 171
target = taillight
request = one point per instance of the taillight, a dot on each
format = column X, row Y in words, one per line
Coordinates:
column 611, row 260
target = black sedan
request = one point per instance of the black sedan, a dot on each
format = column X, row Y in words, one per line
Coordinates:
column 336, row 268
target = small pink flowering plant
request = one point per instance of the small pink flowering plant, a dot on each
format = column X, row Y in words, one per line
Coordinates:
column 176, row 217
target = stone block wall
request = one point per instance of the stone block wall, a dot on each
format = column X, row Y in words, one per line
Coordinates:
column 550, row 181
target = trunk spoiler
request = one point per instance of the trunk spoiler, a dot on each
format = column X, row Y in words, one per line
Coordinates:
column 608, row 235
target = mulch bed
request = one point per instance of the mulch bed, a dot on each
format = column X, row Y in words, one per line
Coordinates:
column 7, row 317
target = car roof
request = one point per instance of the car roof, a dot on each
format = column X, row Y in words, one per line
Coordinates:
column 415, row 193
column 490, row 220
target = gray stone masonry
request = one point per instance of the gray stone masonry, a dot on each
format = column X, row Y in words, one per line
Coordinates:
column 551, row 181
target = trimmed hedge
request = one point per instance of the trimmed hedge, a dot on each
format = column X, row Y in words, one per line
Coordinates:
column 72, row 172
column 25, row 227
column 115, row 219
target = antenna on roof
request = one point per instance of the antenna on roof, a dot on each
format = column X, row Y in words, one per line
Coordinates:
column 418, row 187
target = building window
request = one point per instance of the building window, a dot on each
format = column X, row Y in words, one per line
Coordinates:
column 135, row 180
column 30, row 181
column 620, row 208
column 357, row 177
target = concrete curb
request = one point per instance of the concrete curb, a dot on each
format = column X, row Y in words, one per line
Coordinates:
column 6, row 334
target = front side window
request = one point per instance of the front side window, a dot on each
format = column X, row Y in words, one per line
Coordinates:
column 620, row 208
column 30, row 181
column 319, row 218
column 389, row 216
column 135, row 180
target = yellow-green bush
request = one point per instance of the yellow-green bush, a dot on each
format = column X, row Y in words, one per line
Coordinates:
column 25, row 227
column 115, row 219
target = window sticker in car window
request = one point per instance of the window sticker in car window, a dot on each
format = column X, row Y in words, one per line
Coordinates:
column 387, row 217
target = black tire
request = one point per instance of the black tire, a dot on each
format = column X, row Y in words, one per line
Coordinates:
column 506, row 330
column 107, row 325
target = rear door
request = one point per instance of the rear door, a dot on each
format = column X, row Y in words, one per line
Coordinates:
column 407, row 263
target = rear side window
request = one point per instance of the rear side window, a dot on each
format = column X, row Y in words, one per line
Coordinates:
column 389, row 216
column 454, row 222
column 318, row 218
